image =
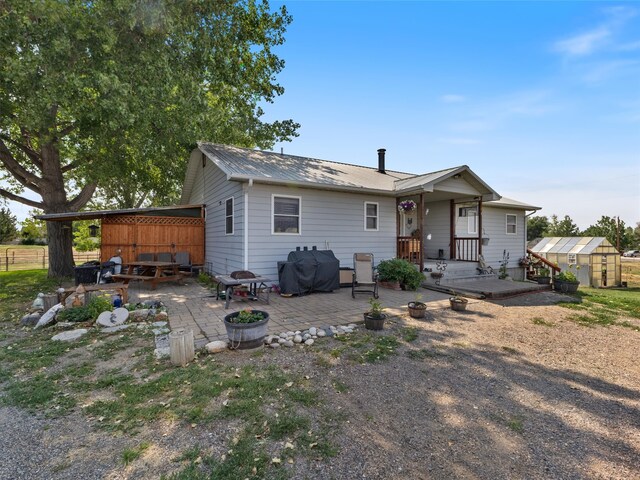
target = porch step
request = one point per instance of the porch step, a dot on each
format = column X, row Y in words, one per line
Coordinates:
column 460, row 278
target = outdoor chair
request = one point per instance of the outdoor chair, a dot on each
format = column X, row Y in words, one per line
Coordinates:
column 365, row 279
column 164, row 257
column 484, row 269
column 185, row 262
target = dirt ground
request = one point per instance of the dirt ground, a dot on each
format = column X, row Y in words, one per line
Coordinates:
column 509, row 389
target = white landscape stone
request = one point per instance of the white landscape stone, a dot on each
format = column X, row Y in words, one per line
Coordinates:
column 117, row 328
column 313, row 331
column 49, row 315
column 288, row 343
column 321, row 333
column 275, row 345
column 297, row 339
column 216, row 346
column 111, row 319
column 70, row 335
column 159, row 324
column 309, row 342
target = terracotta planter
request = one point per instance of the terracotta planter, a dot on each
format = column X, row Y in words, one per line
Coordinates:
column 374, row 323
column 390, row 285
column 246, row 335
column 417, row 309
column 458, row 304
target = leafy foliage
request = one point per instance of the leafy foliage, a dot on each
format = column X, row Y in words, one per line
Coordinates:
column 567, row 276
column 562, row 228
column 398, row 270
column 247, row 316
column 609, row 228
column 536, row 227
column 83, row 240
column 34, row 231
column 8, row 225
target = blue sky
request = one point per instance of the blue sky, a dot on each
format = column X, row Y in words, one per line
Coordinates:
column 541, row 99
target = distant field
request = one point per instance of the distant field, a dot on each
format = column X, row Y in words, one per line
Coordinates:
column 29, row 257
column 631, row 271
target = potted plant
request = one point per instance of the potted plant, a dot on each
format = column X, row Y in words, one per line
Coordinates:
column 417, row 309
column 458, row 303
column 543, row 277
column 566, row 282
column 374, row 318
column 397, row 273
column 246, row 328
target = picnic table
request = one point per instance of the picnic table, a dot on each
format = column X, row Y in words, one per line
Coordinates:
column 257, row 288
column 153, row 272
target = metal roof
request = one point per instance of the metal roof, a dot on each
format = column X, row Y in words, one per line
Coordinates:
column 244, row 164
column 174, row 211
column 577, row 245
column 505, row 202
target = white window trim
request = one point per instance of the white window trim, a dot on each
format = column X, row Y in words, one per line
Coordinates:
column 233, row 216
column 573, row 256
column 273, row 214
column 506, row 225
column 472, row 220
column 369, row 216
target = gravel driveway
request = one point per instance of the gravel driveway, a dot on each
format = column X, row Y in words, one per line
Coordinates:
column 487, row 394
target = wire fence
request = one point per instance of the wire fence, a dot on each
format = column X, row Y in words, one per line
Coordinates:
column 16, row 258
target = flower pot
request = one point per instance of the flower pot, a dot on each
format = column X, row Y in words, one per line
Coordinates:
column 390, row 285
column 542, row 280
column 565, row 287
column 246, row 335
column 374, row 323
column 437, row 274
column 485, row 241
column 458, row 304
column 417, row 309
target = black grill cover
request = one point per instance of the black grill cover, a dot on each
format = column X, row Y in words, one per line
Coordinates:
column 307, row 271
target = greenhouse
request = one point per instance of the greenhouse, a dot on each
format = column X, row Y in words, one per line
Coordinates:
column 593, row 260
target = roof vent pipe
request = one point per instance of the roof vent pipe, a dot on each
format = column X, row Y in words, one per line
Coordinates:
column 381, row 152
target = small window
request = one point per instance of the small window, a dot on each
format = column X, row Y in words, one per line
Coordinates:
column 228, row 216
column 571, row 259
column 286, row 215
column 511, row 224
column 472, row 222
column 370, row 216
column 466, row 211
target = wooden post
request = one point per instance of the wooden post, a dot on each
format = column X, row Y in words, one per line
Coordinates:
column 452, row 229
column 421, row 219
column 181, row 346
column 50, row 301
column 480, row 227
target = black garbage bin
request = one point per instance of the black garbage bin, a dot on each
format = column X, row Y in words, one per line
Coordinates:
column 87, row 273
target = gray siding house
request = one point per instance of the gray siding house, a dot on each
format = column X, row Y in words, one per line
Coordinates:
column 262, row 205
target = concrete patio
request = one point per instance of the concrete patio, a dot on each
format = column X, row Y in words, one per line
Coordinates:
column 191, row 305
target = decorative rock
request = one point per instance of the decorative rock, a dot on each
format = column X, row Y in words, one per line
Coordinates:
column 159, row 324
column 306, row 336
column 321, row 333
column 314, row 336
column 329, row 333
column 216, row 347
column 162, row 352
column 290, row 334
column 313, row 331
column 48, row 317
column 160, row 331
column 281, row 340
column 288, row 343
column 352, row 325
column 297, row 339
column 111, row 319
column 70, row 335
column 298, row 332
column 309, row 342
column 275, row 345
column 117, row 328
column 139, row 315
column 283, row 335
column 31, row 319
column 152, row 303
column 38, row 303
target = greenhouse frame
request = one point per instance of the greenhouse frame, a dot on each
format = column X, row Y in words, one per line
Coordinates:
column 593, row 260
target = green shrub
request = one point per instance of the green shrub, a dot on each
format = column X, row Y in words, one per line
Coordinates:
column 97, row 305
column 567, row 277
column 75, row 314
column 398, row 270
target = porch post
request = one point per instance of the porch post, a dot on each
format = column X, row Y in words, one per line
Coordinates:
column 452, row 229
column 480, row 226
column 397, row 228
column 421, row 227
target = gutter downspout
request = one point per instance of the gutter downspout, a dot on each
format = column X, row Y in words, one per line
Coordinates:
column 526, row 246
column 246, row 225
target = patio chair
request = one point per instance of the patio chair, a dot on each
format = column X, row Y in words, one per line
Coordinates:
column 185, row 262
column 365, row 279
column 164, row 257
column 484, row 269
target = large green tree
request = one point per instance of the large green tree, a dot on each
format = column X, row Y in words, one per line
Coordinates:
column 612, row 230
column 562, row 228
column 8, row 225
column 93, row 91
column 536, row 227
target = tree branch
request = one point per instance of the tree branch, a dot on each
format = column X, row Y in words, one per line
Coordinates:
column 17, row 198
column 83, row 197
column 20, row 173
column 31, row 153
column 70, row 166
column 66, row 130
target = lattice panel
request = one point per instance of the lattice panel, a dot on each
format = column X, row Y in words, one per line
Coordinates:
column 134, row 220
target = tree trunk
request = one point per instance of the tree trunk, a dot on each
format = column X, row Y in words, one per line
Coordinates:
column 60, row 239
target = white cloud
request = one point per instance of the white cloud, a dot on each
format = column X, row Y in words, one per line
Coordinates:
column 599, row 72
column 585, row 43
column 452, row 98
